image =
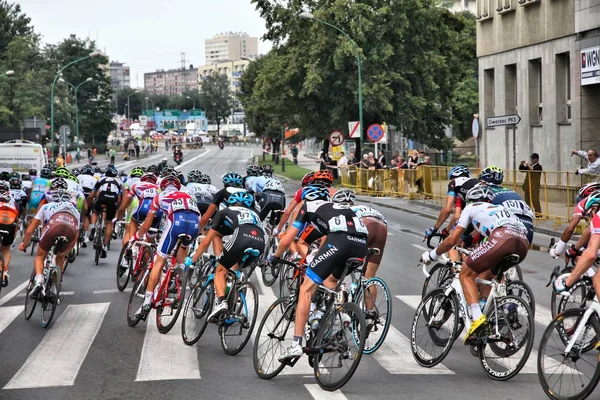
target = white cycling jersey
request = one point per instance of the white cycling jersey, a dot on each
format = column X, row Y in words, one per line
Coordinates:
column 26, row 185
column 486, row 217
column 363, row 211
column 49, row 209
column 87, row 182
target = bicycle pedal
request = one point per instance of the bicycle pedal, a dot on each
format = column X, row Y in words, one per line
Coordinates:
column 290, row 362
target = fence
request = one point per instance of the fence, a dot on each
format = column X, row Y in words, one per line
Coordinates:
column 551, row 194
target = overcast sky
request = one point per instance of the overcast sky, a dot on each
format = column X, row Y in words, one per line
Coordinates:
column 146, row 34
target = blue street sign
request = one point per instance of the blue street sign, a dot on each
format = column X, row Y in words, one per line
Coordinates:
column 375, row 133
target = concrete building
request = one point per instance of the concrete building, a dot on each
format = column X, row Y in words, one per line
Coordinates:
column 230, row 46
column 463, row 5
column 119, row 76
column 232, row 69
column 539, row 59
column 173, row 81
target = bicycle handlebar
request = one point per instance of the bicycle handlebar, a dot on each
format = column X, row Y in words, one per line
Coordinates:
column 434, row 236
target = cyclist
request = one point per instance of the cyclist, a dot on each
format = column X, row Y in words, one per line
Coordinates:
column 37, row 191
column 460, row 183
column 252, row 172
column 272, row 198
column 243, row 223
column 88, row 182
column 26, row 182
column 182, row 218
column 199, row 190
column 232, row 183
column 9, row 214
column 59, row 218
column 306, row 180
column 345, row 236
column 267, row 170
column 578, row 214
column 505, row 234
column 586, row 260
column 18, row 195
column 106, row 193
column 134, row 177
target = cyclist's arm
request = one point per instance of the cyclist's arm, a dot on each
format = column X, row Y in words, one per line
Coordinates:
column 124, row 206
column 584, row 239
column 286, row 241
column 568, row 233
column 445, row 212
column 91, row 197
column 454, row 218
column 147, row 223
column 204, row 244
column 449, row 242
column 585, row 261
column 33, row 225
column 286, row 214
column 206, row 217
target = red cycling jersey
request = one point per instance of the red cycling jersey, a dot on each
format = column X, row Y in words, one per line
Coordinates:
column 143, row 190
column 172, row 201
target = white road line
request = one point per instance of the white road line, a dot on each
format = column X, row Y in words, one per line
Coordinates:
column 220, row 161
column 319, row 394
column 390, row 234
column 418, row 246
column 193, row 159
column 115, row 290
column 13, row 292
column 7, row 315
column 61, row 293
column 166, row 356
column 57, row 359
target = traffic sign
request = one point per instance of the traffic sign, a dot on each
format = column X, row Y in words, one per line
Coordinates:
column 336, row 138
column 475, row 127
column 375, row 133
column 502, row 120
column 64, row 130
column 353, row 128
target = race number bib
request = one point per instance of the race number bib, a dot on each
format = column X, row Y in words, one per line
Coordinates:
column 245, row 217
column 149, row 193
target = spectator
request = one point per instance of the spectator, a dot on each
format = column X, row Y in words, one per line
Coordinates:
column 413, row 160
column 365, row 162
column 106, row 150
column 402, row 164
column 60, row 161
column 112, row 155
column 421, row 160
column 394, row 160
column 343, row 160
column 353, row 160
column 591, row 156
column 137, row 150
column 381, row 159
column 531, row 184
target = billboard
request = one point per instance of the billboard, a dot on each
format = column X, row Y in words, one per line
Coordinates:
column 590, row 66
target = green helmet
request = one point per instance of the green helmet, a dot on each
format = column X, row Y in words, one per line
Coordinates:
column 591, row 201
column 137, row 172
column 62, row 172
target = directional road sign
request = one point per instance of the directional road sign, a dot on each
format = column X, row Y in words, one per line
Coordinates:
column 375, row 133
column 336, row 138
column 491, row 122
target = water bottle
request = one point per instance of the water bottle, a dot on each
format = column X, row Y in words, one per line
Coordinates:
column 342, row 295
column 482, row 303
column 353, row 288
column 228, row 288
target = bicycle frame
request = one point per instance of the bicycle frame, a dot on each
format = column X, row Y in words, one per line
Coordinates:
column 593, row 308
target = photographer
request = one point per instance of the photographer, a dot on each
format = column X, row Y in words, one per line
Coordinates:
column 531, row 184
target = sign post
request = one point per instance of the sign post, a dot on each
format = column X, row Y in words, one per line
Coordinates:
column 504, row 120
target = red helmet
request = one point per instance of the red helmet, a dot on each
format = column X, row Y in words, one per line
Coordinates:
column 308, row 178
column 323, row 176
column 149, row 178
column 170, row 180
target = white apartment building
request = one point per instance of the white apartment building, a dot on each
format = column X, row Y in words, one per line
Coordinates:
column 119, row 76
column 230, row 46
column 232, row 69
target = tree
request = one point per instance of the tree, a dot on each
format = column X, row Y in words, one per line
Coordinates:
column 13, row 23
column 216, row 98
column 137, row 102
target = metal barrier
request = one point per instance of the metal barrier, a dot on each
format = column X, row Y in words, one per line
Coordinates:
column 551, row 194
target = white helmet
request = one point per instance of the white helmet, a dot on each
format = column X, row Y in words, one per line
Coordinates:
column 274, row 184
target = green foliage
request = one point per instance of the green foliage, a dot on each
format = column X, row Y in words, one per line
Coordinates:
column 216, row 98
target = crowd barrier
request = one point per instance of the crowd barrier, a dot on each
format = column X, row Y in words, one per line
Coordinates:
column 551, row 194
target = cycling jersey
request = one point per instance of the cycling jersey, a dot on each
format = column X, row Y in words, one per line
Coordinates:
column 49, row 209
column 248, row 182
column 511, row 200
column 363, row 211
column 595, row 225
column 130, row 182
column 377, row 228
column 328, row 218
column 270, row 200
column 87, row 183
column 229, row 219
column 580, row 209
column 107, row 190
column 60, row 219
column 26, row 185
column 38, row 189
column 108, row 185
column 485, row 217
column 18, row 195
column 220, row 198
column 183, row 217
column 144, row 193
column 9, row 212
column 172, row 201
column 203, row 194
column 458, row 188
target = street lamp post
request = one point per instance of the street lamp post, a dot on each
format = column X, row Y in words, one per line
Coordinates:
column 128, row 112
column 193, row 100
column 92, row 54
column 151, row 101
column 75, row 89
column 307, row 15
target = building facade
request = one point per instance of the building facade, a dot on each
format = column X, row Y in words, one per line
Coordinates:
column 539, row 59
column 173, row 81
column 230, row 46
column 232, row 69
column 119, row 76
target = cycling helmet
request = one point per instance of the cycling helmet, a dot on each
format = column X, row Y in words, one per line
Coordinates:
column 307, row 179
column 4, row 186
column 76, row 171
column 153, row 169
column 586, row 190
column 33, row 172
column 479, row 193
column 62, row 172
column 5, row 196
column 149, row 178
column 252, row 170
column 232, row 179
column 97, row 170
column 137, row 172
column 170, row 181
column 344, row 196
column 274, row 184
column 267, row 170
column 458, row 171
column 59, row 184
column 123, row 174
column 25, row 177
column 45, row 173
column 111, row 171
column 592, row 200
column 61, row 195
column 205, row 179
column 324, row 177
column 315, row 192
column 87, row 170
column 168, row 170
column 15, row 183
column 492, row 175
column 73, row 178
column 194, row 176
column 240, row 198
column 4, row 176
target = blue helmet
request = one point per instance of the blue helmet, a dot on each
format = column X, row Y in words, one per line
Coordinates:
column 232, row 179
column 315, row 192
column 242, row 197
column 492, row 175
column 458, row 171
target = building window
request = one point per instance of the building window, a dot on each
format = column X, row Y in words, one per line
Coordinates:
column 484, row 10
column 563, row 88
column 536, row 99
column 504, row 6
column 510, row 89
column 489, row 92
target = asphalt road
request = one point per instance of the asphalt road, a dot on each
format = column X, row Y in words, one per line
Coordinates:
column 89, row 352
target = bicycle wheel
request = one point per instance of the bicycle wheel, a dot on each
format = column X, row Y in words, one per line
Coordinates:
column 51, row 298
column 577, row 298
column 285, row 281
column 269, row 273
column 503, row 358
column 123, row 272
column 192, row 275
column 271, row 341
column 33, row 243
column 522, row 290
column 438, row 276
column 239, row 323
column 340, row 343
column 197, row 307
column 136, row 299
column 173, row 295
column 574, row 375
column 434, row 328
column 29, row 303
column 375, row 300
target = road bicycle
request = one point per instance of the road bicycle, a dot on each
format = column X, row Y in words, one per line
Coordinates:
column 502, row 346
column 49, row 298
column 270, row 272
column 335, row 341
column 168, row 294
column 236, row 325
column 291, row 275
column 35, row 238
column 99, row 231
column 131, row 259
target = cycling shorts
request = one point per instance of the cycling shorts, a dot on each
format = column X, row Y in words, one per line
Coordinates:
column 180, row 222
column 502, row 242
column 244, row 237
column 34, row 202
column 140, row 214
column 109, row 201
column 332, row 256
column 269, row 202
column 8, row 239
column 529, row 225
column 377, row 236
column 310, row 234
column 60, row 224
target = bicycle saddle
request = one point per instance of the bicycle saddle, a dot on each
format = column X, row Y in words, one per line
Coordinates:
column 374, row 251
column 507, row 262
column 252, row 252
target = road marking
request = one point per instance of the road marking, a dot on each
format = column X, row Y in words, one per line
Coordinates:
column 13, row 292
column 61, row 293
column 193, row 159
column 418, row 246
column 115, row 290
column 166, row 356
column 57, row 359
column 7, row 315
column 220, row 161
column 317, row 393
